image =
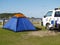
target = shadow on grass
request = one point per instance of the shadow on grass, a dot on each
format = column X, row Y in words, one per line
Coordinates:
column 55, row 30
column 37, row 28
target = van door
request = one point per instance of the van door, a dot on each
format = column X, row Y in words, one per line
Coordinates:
column 47, row 18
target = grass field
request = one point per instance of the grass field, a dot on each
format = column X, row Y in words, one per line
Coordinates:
column 20, row 38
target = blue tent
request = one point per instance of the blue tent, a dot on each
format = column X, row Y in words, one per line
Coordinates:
column 19, row 24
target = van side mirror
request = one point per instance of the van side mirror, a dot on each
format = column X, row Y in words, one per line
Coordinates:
column 45, row 16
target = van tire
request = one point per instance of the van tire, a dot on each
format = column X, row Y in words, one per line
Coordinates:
column 51, row 28
column 47, row 26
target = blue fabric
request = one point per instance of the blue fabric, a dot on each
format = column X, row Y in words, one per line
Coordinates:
column 25, row 24
column 11, row 24
column 19, row 24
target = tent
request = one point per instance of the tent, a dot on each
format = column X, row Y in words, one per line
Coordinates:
column 19, row 23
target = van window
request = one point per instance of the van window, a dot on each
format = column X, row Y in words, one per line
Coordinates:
column 57, row 14
column 49, row 13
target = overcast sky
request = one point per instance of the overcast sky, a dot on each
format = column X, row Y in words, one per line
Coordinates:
column 31, row 8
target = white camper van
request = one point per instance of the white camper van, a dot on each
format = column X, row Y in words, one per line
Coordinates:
column 52, row 19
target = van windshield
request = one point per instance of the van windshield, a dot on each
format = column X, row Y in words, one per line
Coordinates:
column 49, row 13
column 57, row 14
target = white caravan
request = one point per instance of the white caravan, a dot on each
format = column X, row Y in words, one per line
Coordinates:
column 52, row 19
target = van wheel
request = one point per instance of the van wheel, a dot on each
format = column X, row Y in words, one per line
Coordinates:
column 51, row 28
column 47, row 26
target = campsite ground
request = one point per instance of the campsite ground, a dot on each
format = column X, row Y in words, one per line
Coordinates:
column 40, row 37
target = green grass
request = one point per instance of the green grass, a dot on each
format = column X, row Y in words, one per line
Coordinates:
column 19, row 38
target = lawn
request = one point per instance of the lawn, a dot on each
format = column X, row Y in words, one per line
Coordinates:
column 20, row 38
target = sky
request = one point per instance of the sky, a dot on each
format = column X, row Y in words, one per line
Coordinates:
column 30, row 8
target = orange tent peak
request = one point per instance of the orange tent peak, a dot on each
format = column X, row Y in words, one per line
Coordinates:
column 19, row 15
